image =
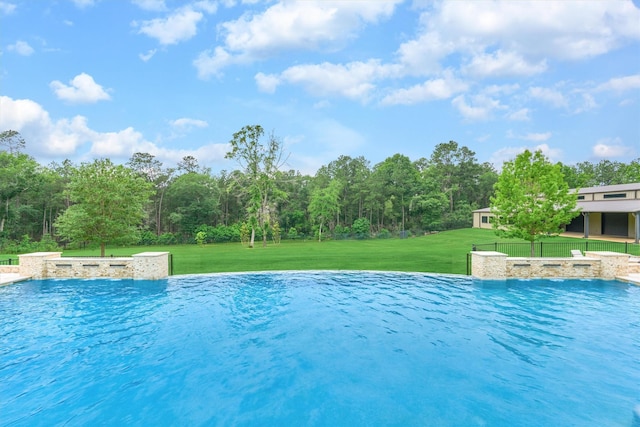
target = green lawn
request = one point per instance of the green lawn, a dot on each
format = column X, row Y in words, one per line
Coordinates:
column 444, row 252
column 438, row 253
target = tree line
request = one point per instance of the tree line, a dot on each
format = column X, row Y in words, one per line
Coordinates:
column 348, row 197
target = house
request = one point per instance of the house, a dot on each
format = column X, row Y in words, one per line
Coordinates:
column 608, row 210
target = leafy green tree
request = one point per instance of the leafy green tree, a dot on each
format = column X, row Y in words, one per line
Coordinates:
column 18, row 174
column 150, row 168
column 260, row 164
column 292, row 210
column 352, row 174
column 324, row 205
column 108, row 204
column 12, row 141
column 398, row 178
column 192, row 199
column 632, row 172
column 532, row 198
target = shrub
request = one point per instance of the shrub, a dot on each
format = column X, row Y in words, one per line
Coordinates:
column 148, row 238
column 293, row 233
column 384, row 234
column 167, row 239
column 341, row 233
column 361, row 228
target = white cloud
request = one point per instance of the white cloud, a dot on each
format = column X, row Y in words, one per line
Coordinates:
column 267, row 82
column 72, row 138
column 537, row 137
column 21, row 48
column 613, row 148
column 354, row 80
column 211, row 63
column 207, row 6
column 522, row 115
column 147, row 56
column 510, row 153
column 115, row 144
column 501, row 63
column 566, row 30
column 186, row 123
column 82, row 90
column 296, row 25
column 480, row 108
column 43, row 135
column 151, row 5
column 550, row 96
column 587, row 102
column 434, row 89
column 421, row 56
column 178, row 27
column 620, row 84
column 7, row 8
column 507, row 38
column 83, row 3
column 534, row 137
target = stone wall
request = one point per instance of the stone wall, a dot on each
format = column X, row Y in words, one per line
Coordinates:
column 47, row 265
column 496, row 265
column 11, row 269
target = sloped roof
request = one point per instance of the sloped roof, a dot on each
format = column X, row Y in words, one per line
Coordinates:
column 609, row 206
column 610, row 188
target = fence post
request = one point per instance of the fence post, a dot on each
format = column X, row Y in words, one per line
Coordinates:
column 626, row 247
column 495, row 246
column 540, row 249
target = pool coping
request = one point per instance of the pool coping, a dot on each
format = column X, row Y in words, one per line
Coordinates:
column 633, row 278
column 9, row 278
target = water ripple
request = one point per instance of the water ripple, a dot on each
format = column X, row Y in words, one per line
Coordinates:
column 316, row 348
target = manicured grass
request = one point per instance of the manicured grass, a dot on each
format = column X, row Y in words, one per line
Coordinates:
column 438, row 253
column 444, row 252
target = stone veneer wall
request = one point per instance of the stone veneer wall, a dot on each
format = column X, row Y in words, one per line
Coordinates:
column 496, row 265
column 46, row 265
column 9, row 269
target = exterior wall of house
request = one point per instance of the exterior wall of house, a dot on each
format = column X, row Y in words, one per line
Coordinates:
column 595, row 224
column 482, row 220
column 607, row 195
column 476, row 220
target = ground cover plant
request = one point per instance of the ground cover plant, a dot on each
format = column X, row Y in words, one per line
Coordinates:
column 443, row 252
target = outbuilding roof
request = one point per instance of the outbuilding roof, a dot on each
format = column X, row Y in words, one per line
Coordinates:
column 610, row 188
column 623, row 206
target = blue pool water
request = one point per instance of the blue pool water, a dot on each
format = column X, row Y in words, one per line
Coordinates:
column 319, row 349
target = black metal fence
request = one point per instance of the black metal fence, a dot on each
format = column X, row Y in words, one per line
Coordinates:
column 558, row 249
column 10, row 261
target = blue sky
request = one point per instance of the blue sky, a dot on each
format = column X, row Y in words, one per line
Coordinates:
column 82, row 79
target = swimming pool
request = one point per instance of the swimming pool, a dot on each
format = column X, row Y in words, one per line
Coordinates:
column 319, row 349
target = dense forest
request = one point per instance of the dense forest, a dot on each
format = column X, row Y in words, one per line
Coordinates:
column 349, row 197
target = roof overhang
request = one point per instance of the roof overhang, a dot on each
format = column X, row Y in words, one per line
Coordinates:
column 609, row 206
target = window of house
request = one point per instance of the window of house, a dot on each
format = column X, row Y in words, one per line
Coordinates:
column 615, row 196
column 485, row 219
column 580, row 197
